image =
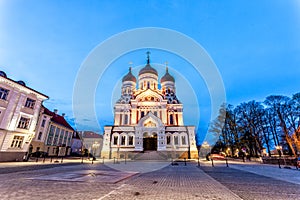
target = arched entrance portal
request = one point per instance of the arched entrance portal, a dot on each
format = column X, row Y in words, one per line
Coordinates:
column 150, row 141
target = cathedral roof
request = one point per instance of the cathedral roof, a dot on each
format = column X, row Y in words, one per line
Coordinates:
column 129, row 76
column 167, row 77
column 148, row 68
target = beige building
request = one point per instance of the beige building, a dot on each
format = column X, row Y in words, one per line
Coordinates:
column 19, row 111
column 92, row 142
column 149, row 117
column 53, row 134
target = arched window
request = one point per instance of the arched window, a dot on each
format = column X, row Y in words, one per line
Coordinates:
column 130, row 140
column 183, row 140
column 171, row 119
column 168, row 140
column 176, row 140
column 123, row 139
column 115, row 140
column 126, row 119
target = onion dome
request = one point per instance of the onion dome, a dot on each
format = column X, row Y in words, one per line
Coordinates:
column 3, row 74
column 167, row 77
column 21, row 83
column 148, row 68
column 129, row 77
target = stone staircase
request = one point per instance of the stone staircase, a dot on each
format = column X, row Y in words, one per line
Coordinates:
column 151, row 155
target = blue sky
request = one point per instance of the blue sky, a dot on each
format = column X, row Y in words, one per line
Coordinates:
column 254, row 44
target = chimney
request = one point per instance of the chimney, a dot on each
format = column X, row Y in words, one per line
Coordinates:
column 63, row 114
column 55, row 111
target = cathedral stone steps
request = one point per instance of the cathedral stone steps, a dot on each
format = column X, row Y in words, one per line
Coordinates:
column 151, row 155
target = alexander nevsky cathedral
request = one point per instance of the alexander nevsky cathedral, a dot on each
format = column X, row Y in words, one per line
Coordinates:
column 148, row 117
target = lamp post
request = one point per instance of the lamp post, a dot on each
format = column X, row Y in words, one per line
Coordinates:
column 94, row 148
column 278, row 148
column 226, row 156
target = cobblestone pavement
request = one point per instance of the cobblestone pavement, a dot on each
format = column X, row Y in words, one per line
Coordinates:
column 171, row 182
column 250, row 186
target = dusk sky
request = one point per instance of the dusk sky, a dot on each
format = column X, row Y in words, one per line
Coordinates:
column 254, row 44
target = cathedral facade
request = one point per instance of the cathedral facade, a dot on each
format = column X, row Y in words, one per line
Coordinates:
column 149, row 117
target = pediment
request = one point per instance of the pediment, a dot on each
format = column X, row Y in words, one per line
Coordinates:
column 149, row 96
column 150, row 121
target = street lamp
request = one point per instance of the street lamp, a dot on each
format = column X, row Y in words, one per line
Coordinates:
column 94, row 147
column 279, row 148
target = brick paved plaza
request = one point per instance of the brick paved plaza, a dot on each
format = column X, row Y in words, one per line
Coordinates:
column 146, row 180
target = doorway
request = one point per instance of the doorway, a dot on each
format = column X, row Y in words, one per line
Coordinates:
column 150, row 142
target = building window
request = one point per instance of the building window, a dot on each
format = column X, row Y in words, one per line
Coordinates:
column 24, row 123
column 142, row 114
column 43, row 123
column 55, row 141
column 30, row 103
column 130, row 141
column 61, row 137
column 183, row 140
column 3, row 93
column 168, row 140
column 17, row 142
column 50, row 135
column 123, row 140
column 69, row 139
column 171, row 119
column 65, row 138
column 115, row 140
column 40, row 135
column 125, row 119
column 176, row 140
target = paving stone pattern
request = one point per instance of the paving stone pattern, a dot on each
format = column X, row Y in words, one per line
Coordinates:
column 171, row 182
column 250, row 186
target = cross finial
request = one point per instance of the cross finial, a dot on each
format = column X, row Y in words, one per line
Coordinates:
column 166, row 66
column 148, row 57
column 130, row 66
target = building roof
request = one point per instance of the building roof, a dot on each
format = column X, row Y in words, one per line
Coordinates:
column 90, row 134
column 129, row 76
column 167, row 77
column 148, row 69
column 57, row 118
column 22, row 83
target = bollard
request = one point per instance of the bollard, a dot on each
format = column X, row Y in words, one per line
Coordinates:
column 198, row 162
column 62, row 159
column 37, row 159
column 279, row 164
column 212, row 162
column 93, row 160
column 51, row 159
column 184, row 161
